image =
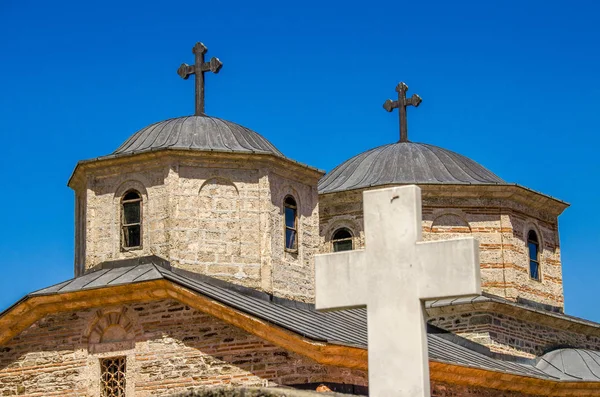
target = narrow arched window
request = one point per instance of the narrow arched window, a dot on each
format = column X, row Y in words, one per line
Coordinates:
column 291, row 223
column 534, row 255
column 131, row 220
column 342, row 240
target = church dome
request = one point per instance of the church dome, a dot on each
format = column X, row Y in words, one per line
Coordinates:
column 571, row 364
column 405, row 163
column 201, row 133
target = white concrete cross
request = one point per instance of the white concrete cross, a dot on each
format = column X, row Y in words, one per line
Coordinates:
column 393, row 277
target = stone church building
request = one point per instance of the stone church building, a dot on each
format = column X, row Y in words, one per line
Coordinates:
column 194, row 267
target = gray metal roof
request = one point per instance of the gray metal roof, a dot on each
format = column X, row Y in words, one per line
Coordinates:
column 202, row 133
column 571, row 364
column 346, row 327
column 403, row 163
column 487, row 298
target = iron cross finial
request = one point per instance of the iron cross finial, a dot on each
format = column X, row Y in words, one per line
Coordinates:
column 401, row 105
column 185, row 70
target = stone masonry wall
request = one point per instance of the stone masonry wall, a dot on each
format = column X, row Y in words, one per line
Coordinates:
column 437, row 390
column 507, row 334
column 293, row 274
column 80, row 231
column 221, row 217
column 168, row 346
column 103, row 212
column 500, row 226
column 215, row 223
column 448, row 390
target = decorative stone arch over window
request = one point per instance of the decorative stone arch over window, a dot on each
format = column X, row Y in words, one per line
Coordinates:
column 131, row 184
column 112, row 329
column 110, row 336
column 531, row 225
column 340, row 224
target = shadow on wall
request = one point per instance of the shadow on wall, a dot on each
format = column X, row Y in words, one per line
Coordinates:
column 118, row 185
column 250, row 392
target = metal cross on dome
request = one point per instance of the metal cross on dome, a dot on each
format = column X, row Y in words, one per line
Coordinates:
column 401, row 105
column 199, row 68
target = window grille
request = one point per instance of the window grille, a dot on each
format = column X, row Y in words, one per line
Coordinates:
column 113, row 377
column 131, row 220
column 342, row 240
column 291, row 224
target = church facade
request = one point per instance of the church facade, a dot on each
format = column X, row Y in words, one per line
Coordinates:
column 194, row 267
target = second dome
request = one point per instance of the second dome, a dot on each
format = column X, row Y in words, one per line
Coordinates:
column 405, row 163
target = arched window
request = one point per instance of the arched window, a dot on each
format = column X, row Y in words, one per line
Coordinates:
column 534, row 255
column 342, row 240
column 291, row 223
column 131, row 220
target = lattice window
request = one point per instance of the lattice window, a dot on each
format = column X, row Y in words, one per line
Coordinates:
column 113, row 377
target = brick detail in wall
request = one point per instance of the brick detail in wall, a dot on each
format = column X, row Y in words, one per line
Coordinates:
column 510, row 335
column 500, row 226
column 175, row 348
column 447, row 390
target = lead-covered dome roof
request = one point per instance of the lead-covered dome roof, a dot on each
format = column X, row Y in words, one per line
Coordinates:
column 201, row 133
column 405, row 163
column 571, row 364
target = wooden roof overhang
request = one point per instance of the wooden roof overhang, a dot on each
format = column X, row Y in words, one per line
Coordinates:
column 32, row 308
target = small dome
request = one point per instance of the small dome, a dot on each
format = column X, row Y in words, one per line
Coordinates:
column 571, row 364
column 202, row 133
column 405, row 163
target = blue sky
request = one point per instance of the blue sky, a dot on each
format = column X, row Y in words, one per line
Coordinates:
column 513, row 85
